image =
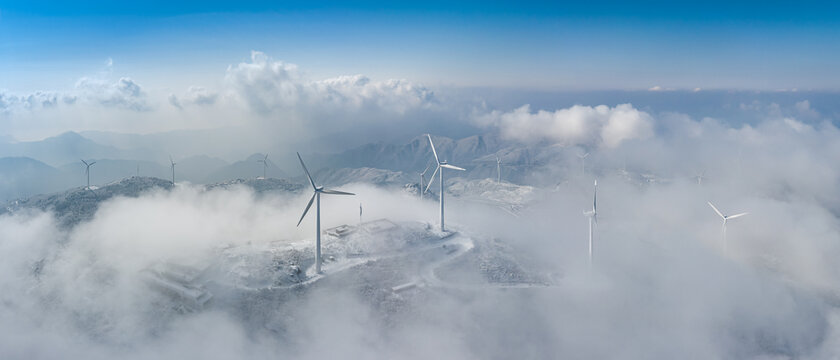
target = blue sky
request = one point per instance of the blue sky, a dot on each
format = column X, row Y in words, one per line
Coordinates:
column 592, row 45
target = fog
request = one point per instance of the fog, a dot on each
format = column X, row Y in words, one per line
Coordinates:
column 661, row 285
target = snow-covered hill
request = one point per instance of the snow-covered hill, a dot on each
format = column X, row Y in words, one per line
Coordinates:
column 79, row 204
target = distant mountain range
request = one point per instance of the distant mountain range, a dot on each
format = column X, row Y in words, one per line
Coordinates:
column 70, row 147
column 52, row 164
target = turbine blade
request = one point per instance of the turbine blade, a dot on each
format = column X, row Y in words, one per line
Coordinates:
column 307, row 209
column 433, row 148
column 428, row 165
column 735, row 216
column 335, row 192
column 453, row 167
column 86, row 164
column 307, row 172
column 91, row 164
column 433, row 179
column 170, row 160
column 716, row 210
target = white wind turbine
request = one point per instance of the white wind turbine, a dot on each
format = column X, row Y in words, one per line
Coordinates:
column 725, row 219
column 87, row 171
column 699, row 177
column 318, row 190
column 173, row 168
column 498, row 170
column 264, row 161
column 440, row 166
column 583, row 163
column 593, row 219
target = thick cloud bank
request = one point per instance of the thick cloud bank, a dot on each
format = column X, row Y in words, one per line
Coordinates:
column 577, row 125
column 661, row 287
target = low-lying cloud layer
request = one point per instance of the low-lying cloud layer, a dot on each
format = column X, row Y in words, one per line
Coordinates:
column 661, row 286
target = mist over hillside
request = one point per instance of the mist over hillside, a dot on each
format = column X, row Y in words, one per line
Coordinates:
column 433, row 180
column 174, row 260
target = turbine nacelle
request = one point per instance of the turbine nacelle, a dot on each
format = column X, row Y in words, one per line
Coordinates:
column 725, row 217
column 316, row 191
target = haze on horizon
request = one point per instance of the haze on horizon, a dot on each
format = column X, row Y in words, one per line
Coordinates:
column 161, row 67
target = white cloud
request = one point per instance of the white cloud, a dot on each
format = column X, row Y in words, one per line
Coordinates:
column 805, row 110
column 196, row 95
column 124, row 93
column 577, row 125
column 10, row 103
column 266, row 85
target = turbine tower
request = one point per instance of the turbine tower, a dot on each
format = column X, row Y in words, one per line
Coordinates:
column 87, row 171
column 699, row 177
column 583, row 163
column 440, row 166
column 264, row 161
column 318, row 190
column 593, row 219
column 725, row 219
column 423, row 180
column 498, row 170
column 173, row 168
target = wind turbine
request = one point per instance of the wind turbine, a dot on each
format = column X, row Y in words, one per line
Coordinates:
column 265, row 164
column 583, row 163
column 173, row 169
column 318, row 190
column 423, row 180
column 725, row 219
column 498, row 170
column 699, row 177
column 593, row 218
column 87, row 170
column 440, row 166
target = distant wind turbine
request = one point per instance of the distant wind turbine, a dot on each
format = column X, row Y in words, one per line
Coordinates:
column 440, row 166
column 87, row 170
column 318, row 190
column 423, row 180
column 498, row 170
column 173, row 169
column 593, row 219
column 583, row 163
column 264, row 161
column 699, row 177
column 725, row 219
